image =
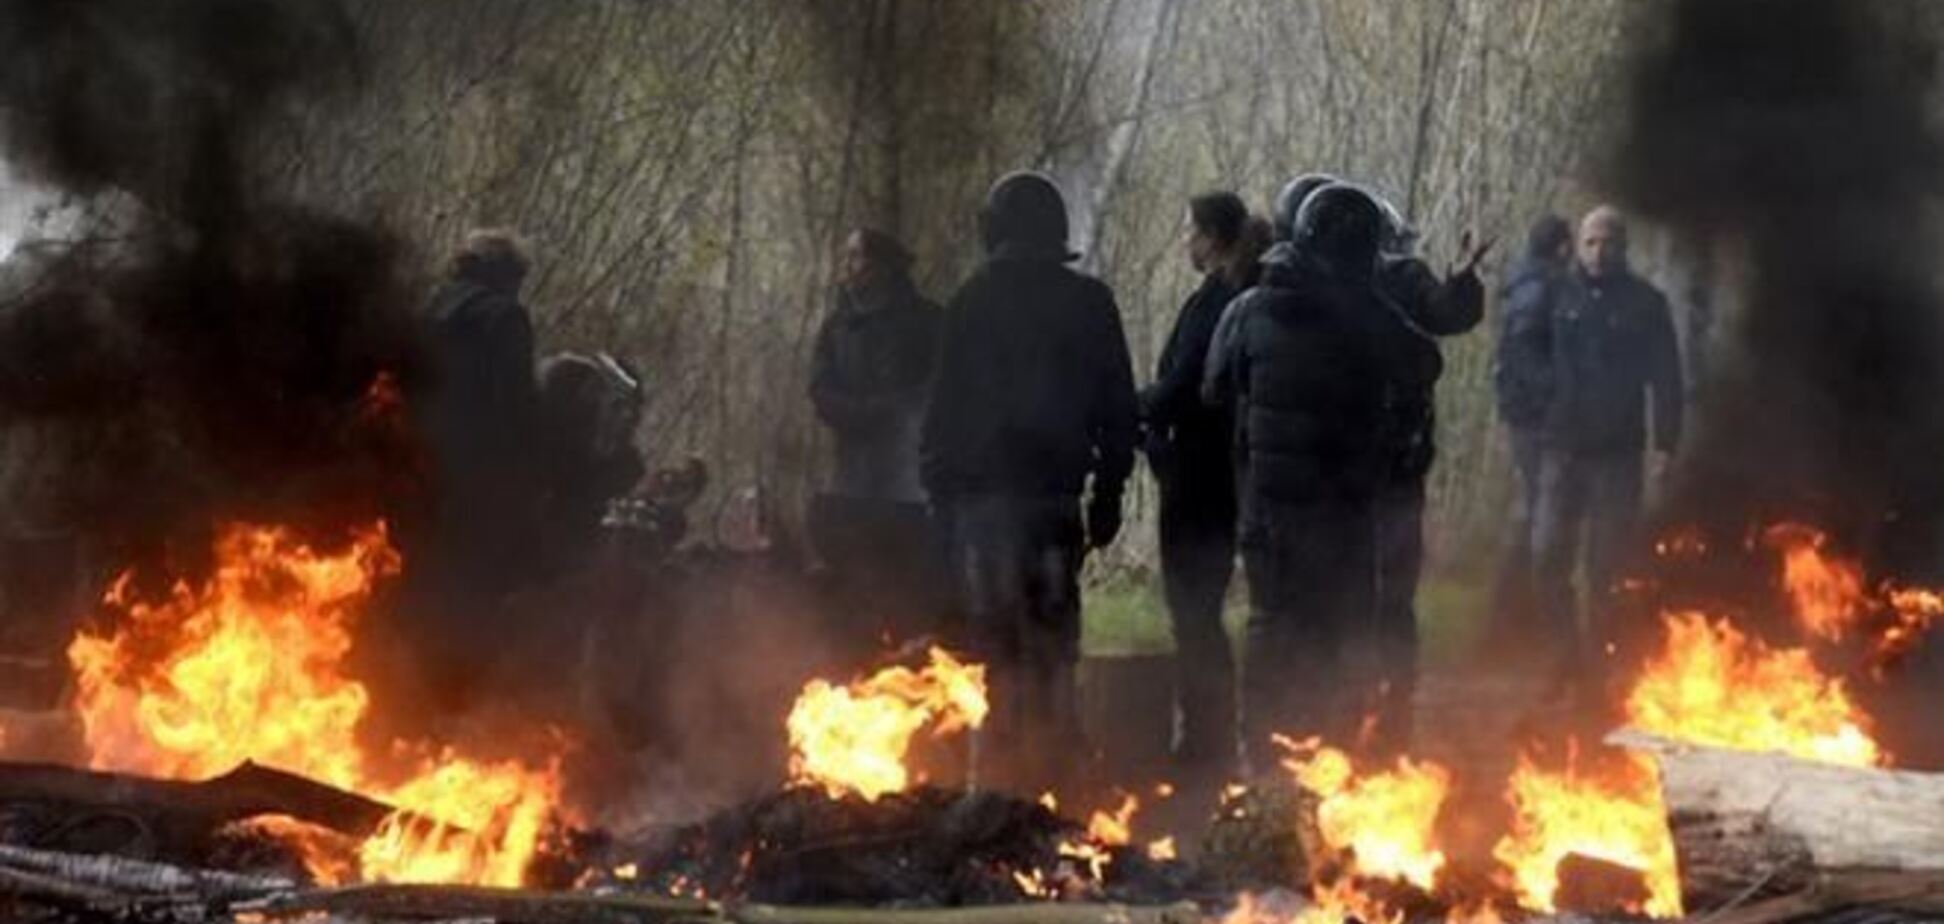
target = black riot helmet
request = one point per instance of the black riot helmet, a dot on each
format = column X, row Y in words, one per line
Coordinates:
column 1341, row 227
column 1290, row 201
column 1025, row 212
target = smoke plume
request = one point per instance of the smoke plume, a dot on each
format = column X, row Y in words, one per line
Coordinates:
column 1795, row 135
column 208, row 351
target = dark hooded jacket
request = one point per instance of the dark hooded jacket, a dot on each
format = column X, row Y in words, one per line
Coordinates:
column 1613, row 347
column 1430, row 307
column 1035, row 390
column 869, row 380
column 1522, row 370
column 1310, row 363
column 481, row 417
column 1188, row 438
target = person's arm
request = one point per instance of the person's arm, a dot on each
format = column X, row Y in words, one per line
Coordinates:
column 1173, row 394
column 839, row 407
column 1523, row 373
column 1116, row 415
column 949, row 386
column 1665, row 378
column 1441, row 307
column 1225, row 363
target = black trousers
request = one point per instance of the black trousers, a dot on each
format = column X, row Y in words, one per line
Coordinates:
column 1197, row 531
column 1018, row 567
column 1313, row 654
column 1399, row 525
column 1514, row 598
column 886, row 571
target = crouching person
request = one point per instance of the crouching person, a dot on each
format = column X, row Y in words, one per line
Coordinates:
column 1032, row 408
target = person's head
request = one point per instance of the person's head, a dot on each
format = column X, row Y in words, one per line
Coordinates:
column 871, row 258
column 1290, row 201
column 1341, row 226
column 493, row 256
column 1602, row 246
column 1025, row 213
column 1216, row 222
column 1550, row 240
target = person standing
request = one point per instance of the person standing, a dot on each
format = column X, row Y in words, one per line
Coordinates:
column 1304, row 359
column 1522, row 383
column 1188, row 447
column 869, row 380
column 1033, row 407
column 483, row 432
column 1431, row 306
column 1614, row 356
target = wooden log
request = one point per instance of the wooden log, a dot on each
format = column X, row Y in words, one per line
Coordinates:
column 137, row 877
column 1749, row 827
column 506, row 906
column 175, row 817
column 1041, row 913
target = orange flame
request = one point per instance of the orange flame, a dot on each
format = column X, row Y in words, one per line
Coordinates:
column 1330, row 903
column 1115, row 828
column 1384, row 821
column 250, row 666
column 854, row 739
column 1712, row 685
column 1619, row 818
column 1827, row 591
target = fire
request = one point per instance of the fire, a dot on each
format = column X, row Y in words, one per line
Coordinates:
column 1712, row 685
column 1914, row 611
column 1163, row 849
column 853, row 739
column 1619, row 818
column 249, row 665
column 1331, row 903
column 1116, row 828
column 1385, row 821
column 1827, row 591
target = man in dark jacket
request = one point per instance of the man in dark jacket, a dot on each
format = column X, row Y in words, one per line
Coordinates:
column 1522, row 382
column 1033, row 405
column 1613, row 349
column 869, row 381
column 1306, row 360
column 1188, row 447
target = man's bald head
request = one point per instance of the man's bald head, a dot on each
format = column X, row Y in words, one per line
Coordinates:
column 1602, row 242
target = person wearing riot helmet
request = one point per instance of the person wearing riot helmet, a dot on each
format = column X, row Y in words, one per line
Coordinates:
column 1614, row 354
column 869, row 379
column 1033, row 406
column 1188, row 447
column 1305, row 360
column 1432, row 306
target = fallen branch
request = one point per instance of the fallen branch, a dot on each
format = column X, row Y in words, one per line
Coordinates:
column 1758, row 834
column 131, row 878
column 507, row 906
column 181, row 815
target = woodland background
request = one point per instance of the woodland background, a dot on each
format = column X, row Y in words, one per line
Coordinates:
column 684, row 170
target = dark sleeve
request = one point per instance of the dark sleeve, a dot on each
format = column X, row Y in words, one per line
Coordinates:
column 1178, row 389
column 1523, row 364
column 1665, row 378
column 949, row 390
column 1226, row 363
column 841, row 408
column 509, row 360
column 1116, row 417
column 1440, row 307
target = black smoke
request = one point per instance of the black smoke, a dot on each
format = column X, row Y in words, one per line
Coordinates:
column 204, row 350
column 1795, row 134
